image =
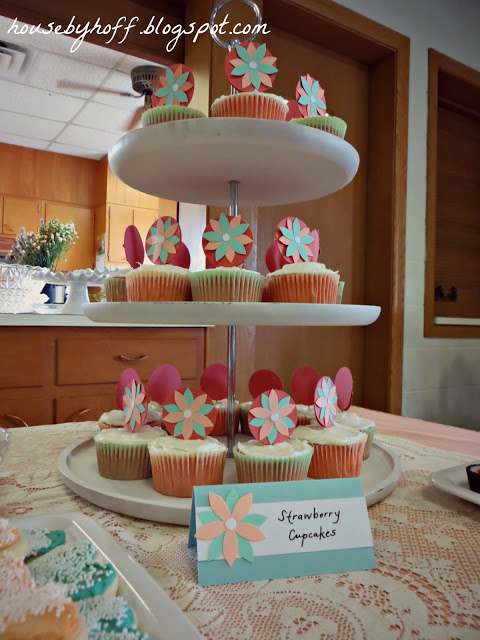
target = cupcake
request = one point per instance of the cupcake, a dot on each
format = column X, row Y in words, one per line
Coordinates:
column 282, row 461
column 337, row 450
column 178, row 465
column 123, row 454
column 111, row 420
column 308, row 282
column 220, row 428
column 306, row 414
column 244, row 408
column 364, row 425
column 115, row 287
column 251, row 104
column 473, row 475
column 330, row 124
column 156, row 283
column 227, row 284
column 159, row 115
column 340, row 292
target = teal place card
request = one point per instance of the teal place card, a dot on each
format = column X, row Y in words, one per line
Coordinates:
column 247, row 532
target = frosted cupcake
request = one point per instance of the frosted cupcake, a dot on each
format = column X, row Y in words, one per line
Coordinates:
column 364, row 425
column 156, row 283
column 178, row 465
column 341, row 285
column 123, row 454
column 115, row 286
column 227, row 284
column 220, row 428
column 308, row 282
column 251, row 104
column 159, row 115
column 114, row 419
column 338, row 450
column 244, row 408
column 330, row 124
column 306, row 414
column 283, row 461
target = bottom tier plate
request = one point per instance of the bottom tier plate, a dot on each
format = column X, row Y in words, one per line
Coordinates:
column 77, row 465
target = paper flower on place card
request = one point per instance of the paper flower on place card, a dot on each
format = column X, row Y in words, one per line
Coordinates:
column 189, row 414
column 134, row 405
column 163, row 238
column 310, row 97
column 227, row 241
column 175, row 87
column 326, row 402
column 295, row 241
column 272, row 417
column 250, row 66
column 231, row 527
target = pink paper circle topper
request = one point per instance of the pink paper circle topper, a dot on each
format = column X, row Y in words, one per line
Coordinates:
column 296, row 242
column 263, row 380
column 163, row 240
column 344, row 385
column 123, row 381
column 293, row 110
column 135, row 405
column 272, row 417
column 274, row 258
column 182, row 259
column 163, row 381
column 227, row 241
column 189, row 414
column 250, row 67
column 214, row 380
column 310, row 97
column 133, row 245
column 174, row 87
column 325, row 402
column 303, row 384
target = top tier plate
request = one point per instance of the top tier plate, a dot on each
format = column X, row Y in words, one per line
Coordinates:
column 194, row 160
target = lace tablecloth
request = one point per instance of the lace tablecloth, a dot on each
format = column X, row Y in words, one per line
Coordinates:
column 427, row 547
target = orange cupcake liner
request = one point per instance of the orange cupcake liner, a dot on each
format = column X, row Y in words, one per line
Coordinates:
column 176, row 475
column 123, row 462
column 220, row 428
column 336, row 461
column 157, row 287
column 311, row 288
column 250, row 105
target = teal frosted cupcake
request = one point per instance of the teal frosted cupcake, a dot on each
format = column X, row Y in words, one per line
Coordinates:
column 159, row 115
column 283, row 461
column 330, row 124
column 227, row 284
column 364, row 425
column 123, row 455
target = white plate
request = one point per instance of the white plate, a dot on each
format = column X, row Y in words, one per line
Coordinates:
column 274, row 162
column 454, row 480
column 155, row 611
column 77, row 465
column 233, row 313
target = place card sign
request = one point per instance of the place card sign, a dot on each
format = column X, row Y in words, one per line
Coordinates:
column 267, row 530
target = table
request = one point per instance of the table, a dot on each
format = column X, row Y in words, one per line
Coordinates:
column 426, row 584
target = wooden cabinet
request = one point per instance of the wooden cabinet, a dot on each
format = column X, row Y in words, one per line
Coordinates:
column 82, row 254
column 81, row 408
column 25, row 412
column 119, row 217
column 18, row 213
column 143, row 220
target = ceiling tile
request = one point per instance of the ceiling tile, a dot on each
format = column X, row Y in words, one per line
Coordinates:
column 121, row 83
column 29, row 126
column 103, row 117
column 20, row 141
column 75, row 151
column 88, row 138
column 50, row 70
column 37, row 102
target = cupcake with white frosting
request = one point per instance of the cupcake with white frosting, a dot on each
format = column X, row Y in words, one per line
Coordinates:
column 114, row 419
column 244, row 408
column 364, row 425
column 123, row 454
column 227, row 284
column 250, row 104
column 178, row 465
column 158, row 282
column 306, row 414
column 282, row 461
column 220, row 428
column 299, row 282
column 337, row 450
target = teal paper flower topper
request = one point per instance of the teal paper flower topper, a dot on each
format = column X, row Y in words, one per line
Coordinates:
column 174, row 87
column 253, row 66
column 190, row 414
column 310, row 97
column 230, row 238
column 296, row 240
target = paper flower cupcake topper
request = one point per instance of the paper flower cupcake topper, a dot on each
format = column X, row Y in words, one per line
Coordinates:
column 294, row 242
column 134, row 405
column 310, row 97
column 163, row 240
column 175, row 87
column 250, row 67
column 227, row 241
column 189, row 414
column 326, row 401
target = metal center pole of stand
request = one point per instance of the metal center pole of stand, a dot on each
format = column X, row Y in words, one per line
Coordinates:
column 231, row 347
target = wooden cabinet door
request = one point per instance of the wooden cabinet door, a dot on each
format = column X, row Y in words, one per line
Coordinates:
column 119, row 218
column 25, row 412
column 81, row 408
column 167, row 208
column 82, row 254
column 18, row 213
column 143, row 220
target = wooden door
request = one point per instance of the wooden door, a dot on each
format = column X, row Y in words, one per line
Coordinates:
column 82, row 254
column 119, row 218
column 18, row 213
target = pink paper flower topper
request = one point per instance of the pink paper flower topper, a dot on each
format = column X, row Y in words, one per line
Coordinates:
column 272, row 417
column 231, row 527
column 310, row 97
column 134, row 405
column 227, row 241
column 175, row 87
column 326, row 401
column 250, row 66
column 189, row 414
column 163, row 240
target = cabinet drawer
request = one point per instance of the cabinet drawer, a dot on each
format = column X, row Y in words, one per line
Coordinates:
column 21, row 412
column 81, row 361
column 23, row 358
column 81, row 408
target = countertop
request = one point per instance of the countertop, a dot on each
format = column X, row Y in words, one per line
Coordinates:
column 64, row 320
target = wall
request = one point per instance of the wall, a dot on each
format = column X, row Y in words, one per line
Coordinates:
column 441, row 377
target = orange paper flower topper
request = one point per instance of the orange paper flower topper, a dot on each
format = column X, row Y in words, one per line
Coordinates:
column 189, row 414
column 135, row 405
column 272, row 417
column 174, row 87
column 310, row 97
column 231, row 527
column 227, row 241
column 250, row 67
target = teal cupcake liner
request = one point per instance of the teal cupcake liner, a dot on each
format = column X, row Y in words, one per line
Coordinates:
column 226, row 285
column 255, row 469
column 159, row 115
column 123, row 461
column 330, row 124
column 370, row 431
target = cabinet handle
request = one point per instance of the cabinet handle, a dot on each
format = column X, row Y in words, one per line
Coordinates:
column 74, row 417
column 12, row 417
column 127, row 359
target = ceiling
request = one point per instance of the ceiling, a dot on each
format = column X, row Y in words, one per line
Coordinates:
column 37, row 111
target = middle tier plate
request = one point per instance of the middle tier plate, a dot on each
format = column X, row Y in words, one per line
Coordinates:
column 232, row 313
